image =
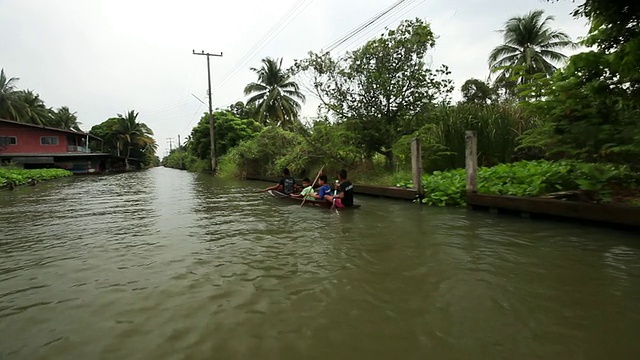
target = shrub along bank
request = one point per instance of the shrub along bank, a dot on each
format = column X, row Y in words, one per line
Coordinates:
column 15, row 177
column 531, row 178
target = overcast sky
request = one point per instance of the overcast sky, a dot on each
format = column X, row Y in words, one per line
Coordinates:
column 102, row 57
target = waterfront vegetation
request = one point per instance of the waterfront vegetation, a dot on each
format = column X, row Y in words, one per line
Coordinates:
column 597, row 182
column 28, row 107
column 545, row 122
column 123, row 135
column 10, row 177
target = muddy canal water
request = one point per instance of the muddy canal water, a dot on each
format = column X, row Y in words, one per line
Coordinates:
column 164, row 264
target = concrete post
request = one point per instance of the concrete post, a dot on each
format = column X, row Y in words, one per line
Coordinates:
column 471, row 161
column 416, row 167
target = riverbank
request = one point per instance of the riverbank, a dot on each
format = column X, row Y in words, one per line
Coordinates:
column 602, row 193
column 562, row 180
column 10, row 178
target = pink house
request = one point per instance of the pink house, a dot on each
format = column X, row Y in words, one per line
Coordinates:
column 33, row 146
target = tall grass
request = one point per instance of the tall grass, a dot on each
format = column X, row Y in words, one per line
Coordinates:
column 498, row 127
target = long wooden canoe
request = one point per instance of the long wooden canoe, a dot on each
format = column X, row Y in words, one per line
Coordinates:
column 318, row 203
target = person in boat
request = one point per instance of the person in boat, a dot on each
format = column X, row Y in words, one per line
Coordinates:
column 286, row 185
column 344, row 197
column 307, row 190
column 323, row 190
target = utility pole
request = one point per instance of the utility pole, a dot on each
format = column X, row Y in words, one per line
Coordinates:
column 211, row 122
column 170, row 144
column 179, row 153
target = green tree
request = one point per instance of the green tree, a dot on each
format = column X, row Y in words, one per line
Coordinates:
column 586, row 112
column 63, row 118
column 275, row 96
column 30, row 108
column 8, row 94
column 591, row 109
column 382, row 89
column 132, row 133
column 105, row 131
column 230, row 131
column 529, row 42
column 476, row 91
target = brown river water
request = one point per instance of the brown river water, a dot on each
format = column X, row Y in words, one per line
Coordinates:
column 165, row 264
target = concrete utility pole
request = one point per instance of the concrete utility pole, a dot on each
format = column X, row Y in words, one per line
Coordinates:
column 211, row 123
column 179, row 145
column 170, row 144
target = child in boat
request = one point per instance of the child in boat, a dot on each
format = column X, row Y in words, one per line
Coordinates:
column 323, row 190
column 307, row 189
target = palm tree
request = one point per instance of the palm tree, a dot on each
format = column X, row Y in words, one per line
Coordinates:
column 132, row 133
column 29, row 108
column 529, row 44
column 275, row 95
column 8, row 94
column 64, row 119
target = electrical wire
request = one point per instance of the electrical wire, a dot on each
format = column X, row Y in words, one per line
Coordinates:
column 292, row 14
column 356, row 41
column 362, row 27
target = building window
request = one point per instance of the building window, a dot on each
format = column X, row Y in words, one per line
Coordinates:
column 48, row 140
column 8, row 140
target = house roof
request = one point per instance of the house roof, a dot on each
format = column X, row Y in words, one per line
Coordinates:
column 14, row 155
column 48, row 128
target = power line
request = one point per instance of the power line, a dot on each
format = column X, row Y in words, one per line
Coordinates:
column 362, row 27
column 298, row 7
column 193, row 117
column 407, row 7
column 255, row 47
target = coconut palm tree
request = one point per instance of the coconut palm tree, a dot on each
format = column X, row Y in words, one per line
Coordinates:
column 132, row 133
column 275, row 96
column 29, row 108
column 64, row 119
column 529, row 44
column 8, row 94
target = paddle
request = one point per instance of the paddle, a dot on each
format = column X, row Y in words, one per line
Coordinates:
column 314, row 183
column 333, row 203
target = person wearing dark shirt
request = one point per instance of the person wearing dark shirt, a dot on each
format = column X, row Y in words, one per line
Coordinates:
column 286, row 185
column 345, row 194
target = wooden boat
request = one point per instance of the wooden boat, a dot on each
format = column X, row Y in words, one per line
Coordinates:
column 320, row 203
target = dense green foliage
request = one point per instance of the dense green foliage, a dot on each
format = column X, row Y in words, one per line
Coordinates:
column 124, row 135
column 591, row 108
column 476, row 91
column 383, row 89
column 544, row 125
column 498, row 126
column 19, row 176
column 232, row 127
column 527, row 178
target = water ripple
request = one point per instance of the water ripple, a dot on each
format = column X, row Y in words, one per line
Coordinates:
column 166, row 264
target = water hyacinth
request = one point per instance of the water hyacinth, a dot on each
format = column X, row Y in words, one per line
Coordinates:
column 525, row 178
column 17, row 177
